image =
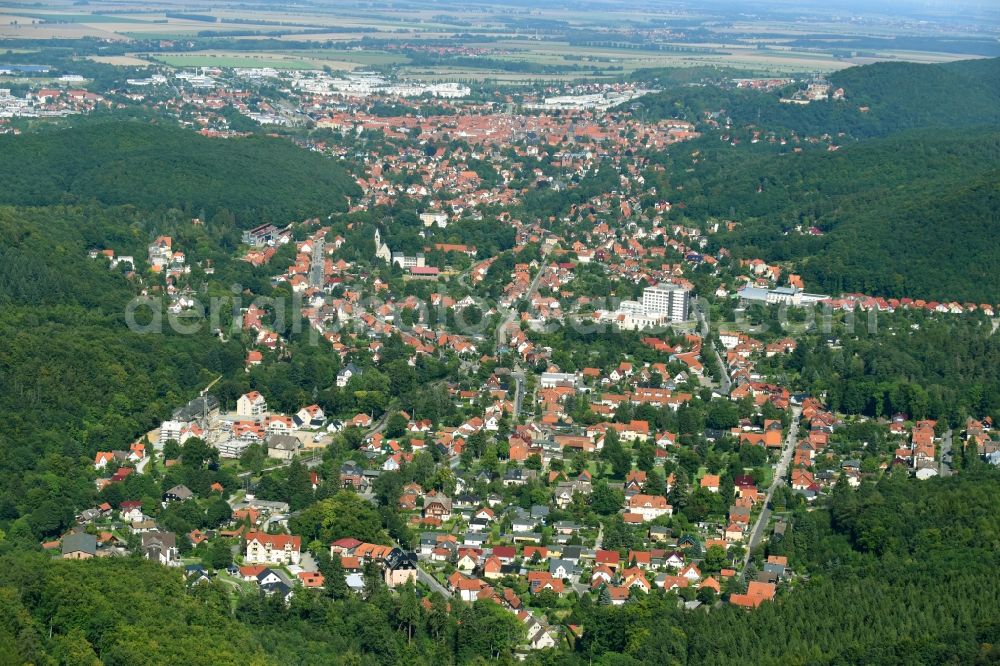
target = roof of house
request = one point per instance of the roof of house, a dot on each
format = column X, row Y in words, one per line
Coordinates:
column 79, row 542
column 180, row 492
column 275, row 540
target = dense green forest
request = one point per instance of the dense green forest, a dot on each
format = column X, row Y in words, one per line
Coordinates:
column 75, row 379
column 903, row 216
column 904, row 210
column 153, row 167
column 897, row 96
column 922, row 365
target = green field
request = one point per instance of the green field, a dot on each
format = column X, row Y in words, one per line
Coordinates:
column 291, row 59
column 270, row 60
column 79, row 18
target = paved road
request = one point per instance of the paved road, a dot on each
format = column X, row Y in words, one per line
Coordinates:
column 779, row 478
column 725, row 384
column 380, row 424
column 316, row 265
column 432, row 583
column 422, row 575
column 518, row 375
column 513, row 313
column 944, row 469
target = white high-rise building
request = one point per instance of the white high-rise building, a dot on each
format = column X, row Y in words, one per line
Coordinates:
column 671, row 300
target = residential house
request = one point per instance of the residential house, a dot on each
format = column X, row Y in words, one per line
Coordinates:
column 178, row 493
column 79, row 546
column 282, row 447
column 437, row 505
column 345, row 374
column 756, row 594
column 273, row 548
column 400, row 568
column 650, row 507
column 160, row 547
column 251, row 405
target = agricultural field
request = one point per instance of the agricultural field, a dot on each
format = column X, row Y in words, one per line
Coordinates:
column 274, row 60
column 295, row 59
column 121, row 61
column 429, row 41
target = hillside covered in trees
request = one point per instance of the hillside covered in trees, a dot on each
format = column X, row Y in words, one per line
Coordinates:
column 880, row 99
column 256, row 179
column 75, row 378
column 902, row 216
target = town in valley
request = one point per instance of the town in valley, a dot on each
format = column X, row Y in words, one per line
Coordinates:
column 530, row 325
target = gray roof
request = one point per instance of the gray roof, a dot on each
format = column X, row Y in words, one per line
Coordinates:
column 180, row 492
column 162, row 540
column 753, row 294
column 283, row 442
column 570, row 566
column 79, row 542
column 196, row 408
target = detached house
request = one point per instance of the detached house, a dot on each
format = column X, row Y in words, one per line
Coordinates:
column 310, row 417
column 400, row 568
column 345, row 374
column 282, row 447
column 79, row 546
column 160, row 547
column 178, row 494
column 437, row 505
column 131, row 511
column 650, row 507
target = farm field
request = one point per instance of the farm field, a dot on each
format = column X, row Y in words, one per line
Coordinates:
column 121, row 61
column 274, row 60
column 548, row 44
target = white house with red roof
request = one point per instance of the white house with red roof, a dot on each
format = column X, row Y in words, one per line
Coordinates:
column 650, row 507
column 273, row 548
column 251, row 405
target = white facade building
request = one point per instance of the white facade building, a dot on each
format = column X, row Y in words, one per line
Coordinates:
column 667, row 299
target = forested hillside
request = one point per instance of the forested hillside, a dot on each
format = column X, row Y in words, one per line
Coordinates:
column 155, row 167
column 75, row 379
column 909, row 215
column 895, row 95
